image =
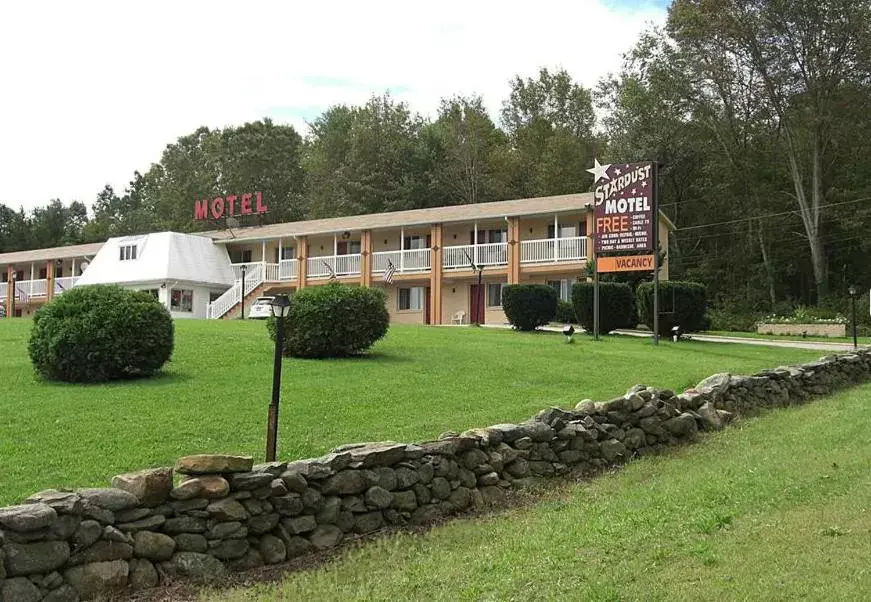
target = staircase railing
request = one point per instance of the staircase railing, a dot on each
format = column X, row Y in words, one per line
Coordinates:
column 233, row 295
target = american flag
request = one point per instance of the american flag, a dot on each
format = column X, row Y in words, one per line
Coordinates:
column 389, row 272
column 331, row 271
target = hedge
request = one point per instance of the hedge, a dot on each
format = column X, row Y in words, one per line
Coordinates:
column 680, row 303
column 528, row 306
column 615, row 305
column 333, row 320
column 100, row 333
column 565, row 312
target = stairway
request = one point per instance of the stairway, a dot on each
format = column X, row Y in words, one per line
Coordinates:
column 232, row 298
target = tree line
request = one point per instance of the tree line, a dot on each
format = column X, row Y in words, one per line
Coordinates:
column 758, row 111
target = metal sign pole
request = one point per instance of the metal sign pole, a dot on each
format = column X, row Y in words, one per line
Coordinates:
column 654, row 185
column 595, row 297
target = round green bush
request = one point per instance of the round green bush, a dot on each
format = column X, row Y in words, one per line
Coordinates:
column 99, row 333
column 528, row 306
column 333, row 320
column 615, row 305
column 565, row 312
column 680, row 303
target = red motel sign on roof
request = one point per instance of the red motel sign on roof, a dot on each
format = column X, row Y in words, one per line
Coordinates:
column 623, row 198
column 229, row 206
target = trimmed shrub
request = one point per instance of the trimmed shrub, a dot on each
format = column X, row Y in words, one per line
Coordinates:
column 100, row 333
column 333, row 320
column 615, row 305
column 680, row 303
column 565, row 312
column 528, row 306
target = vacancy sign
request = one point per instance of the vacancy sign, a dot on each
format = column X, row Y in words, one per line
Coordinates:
column 631, row 263
column 623, row 200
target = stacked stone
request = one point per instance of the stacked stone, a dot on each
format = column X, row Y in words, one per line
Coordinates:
column 224, row 513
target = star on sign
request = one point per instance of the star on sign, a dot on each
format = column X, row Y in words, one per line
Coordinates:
column 599, row 171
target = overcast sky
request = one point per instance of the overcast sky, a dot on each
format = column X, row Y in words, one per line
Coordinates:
column 91, row 91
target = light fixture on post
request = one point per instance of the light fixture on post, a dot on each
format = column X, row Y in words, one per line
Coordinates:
column 675, row 333
column 280, row 307
column 854, row 292
column 244, row 269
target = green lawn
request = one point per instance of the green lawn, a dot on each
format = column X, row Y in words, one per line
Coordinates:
column 418, row 383
column 778, row 508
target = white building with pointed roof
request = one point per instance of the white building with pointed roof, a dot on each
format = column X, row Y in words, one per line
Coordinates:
column 186, row 272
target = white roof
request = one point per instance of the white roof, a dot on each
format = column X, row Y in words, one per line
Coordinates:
column 161, row 257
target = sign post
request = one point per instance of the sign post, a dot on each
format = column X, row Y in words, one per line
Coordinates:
column 625, row 220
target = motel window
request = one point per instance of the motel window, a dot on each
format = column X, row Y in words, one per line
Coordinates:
column 286, row 253
column 564, row 231
column 182, row 299
column 354, row 247
column 152, row 291
column 494, row 294
column 243, row 256
column 496, row 236
column 414, row 242
column 127, row 252
column 563, row 288
column 410, row 298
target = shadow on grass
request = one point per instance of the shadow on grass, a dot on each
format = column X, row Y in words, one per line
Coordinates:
column 159, row 379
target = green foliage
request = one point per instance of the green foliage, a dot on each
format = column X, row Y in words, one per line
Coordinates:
column 680, row 303
column 615, row 305
column 565, row 312
column 100, row 333
column 333, row 320
column 729, row 320
column 528, row 306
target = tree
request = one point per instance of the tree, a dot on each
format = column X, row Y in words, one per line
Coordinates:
column 803, row 52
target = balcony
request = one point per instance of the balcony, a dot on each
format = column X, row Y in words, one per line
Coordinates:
column 553, row 250
column 37, row 289
column 327, row 266
column 410, row 261
column 462, row 256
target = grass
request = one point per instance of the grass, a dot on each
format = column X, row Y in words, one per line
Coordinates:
column 778, row 508
column 418, row 383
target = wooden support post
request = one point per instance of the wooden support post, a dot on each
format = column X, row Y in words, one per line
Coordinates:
column 301, row 262
column 49, row 280
column 10, row 291
column 435, row 278
column 514, row 250
column 366, row 258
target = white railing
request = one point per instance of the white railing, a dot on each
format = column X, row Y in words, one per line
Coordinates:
column 4, row 287
column 409, row 260
column 62, row 285
column 233, row 295
column 31, row 288
column 552, row 250
column 237, row 268
column 458, row 257
column 340, row 265
column 272, row 272
column 288, row 269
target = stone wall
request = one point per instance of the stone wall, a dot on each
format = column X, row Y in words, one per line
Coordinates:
column 212, row 514
column 816, row 330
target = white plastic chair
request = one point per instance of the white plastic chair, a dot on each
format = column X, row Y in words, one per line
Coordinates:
column 459, row 317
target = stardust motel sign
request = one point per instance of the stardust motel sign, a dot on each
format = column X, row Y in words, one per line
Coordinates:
column 230, row 206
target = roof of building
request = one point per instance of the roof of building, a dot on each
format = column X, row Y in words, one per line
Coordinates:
column 51, row 253
column 395, row 219
column 161, row 257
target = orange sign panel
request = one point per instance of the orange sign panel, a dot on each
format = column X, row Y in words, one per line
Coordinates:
column 629, row 263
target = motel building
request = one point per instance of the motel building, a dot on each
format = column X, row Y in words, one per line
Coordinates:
column 431, row 253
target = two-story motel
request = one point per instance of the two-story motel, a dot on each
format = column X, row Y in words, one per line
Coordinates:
column 432, row 254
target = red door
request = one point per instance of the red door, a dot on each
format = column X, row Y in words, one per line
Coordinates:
column 426, row 307
column 476, row 304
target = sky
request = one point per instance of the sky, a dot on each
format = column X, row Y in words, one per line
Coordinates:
column 92, row 91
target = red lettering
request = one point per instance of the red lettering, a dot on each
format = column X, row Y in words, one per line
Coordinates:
column 261, row 208
column 201, row 209
column 218, row 208
column 231, row 198
column 246, row 203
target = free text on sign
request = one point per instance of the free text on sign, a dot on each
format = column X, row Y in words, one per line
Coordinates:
column 229, row 206
column 623, row 215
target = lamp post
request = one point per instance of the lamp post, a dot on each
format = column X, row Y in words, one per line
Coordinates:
column 280, row 308
column 853, row 293
column 244, row 269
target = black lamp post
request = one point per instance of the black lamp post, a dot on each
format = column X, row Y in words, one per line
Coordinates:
column 853, row 293
column 244, row 268
column 280, row 308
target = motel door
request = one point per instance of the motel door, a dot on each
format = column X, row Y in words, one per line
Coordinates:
column 476, row 304
column 427, row 318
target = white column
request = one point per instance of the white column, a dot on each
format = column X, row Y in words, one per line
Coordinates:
column 475, row 241
column 335, row 245
column 280, row 250
column 74, row 268
column 31, row 280
column 555, row 236
column 263, row 257
column 402, row 250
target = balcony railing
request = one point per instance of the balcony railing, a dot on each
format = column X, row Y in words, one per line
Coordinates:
column 404, row 262
column 288, row 269
column 553, row 250
column 62, row 285
column 326, row 266
column 460, row 257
